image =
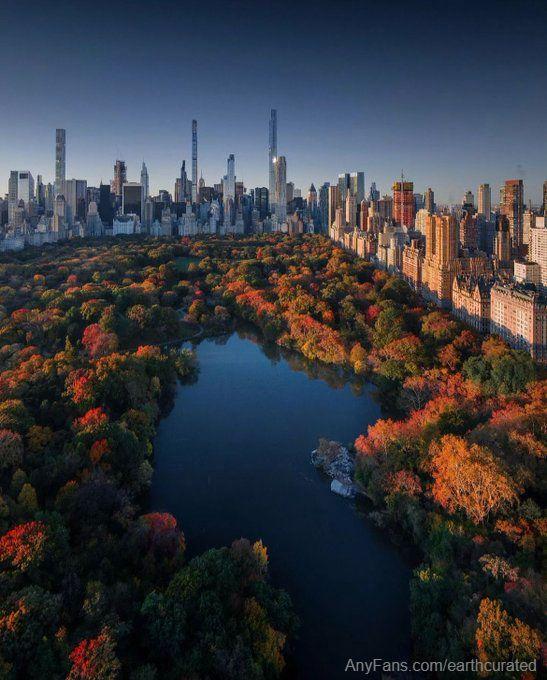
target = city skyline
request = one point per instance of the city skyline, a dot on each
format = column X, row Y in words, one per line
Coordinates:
column 459, row 115
column 155, row 187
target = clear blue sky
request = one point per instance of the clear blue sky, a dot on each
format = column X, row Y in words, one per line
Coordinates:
column 453, row 92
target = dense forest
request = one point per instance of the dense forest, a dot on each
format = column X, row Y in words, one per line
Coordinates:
column 93, row 586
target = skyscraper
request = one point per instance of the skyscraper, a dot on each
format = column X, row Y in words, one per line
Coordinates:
column 403, row 203
column 60, row 159
column 485, row 201
column 75, row 193
column 231, row 177
column 280, row 166
column 183, row 182
column 334, row 203
column 272, row 155
column 261, row 201
column 25, row 187
column 12, row 193
column 131, row 198
column 545, row 198
column 324, row 206
column 312, row 199
column 40, row 192
column 106, row 211
column 357, row 186
column 194, row 161
column 513, row 208
column 343, row 186
column 440, row 261
column 120, row 178
column 374, row 194
column 145, row 192
column 429, row 201
column 351, row 209
column 468, row 199
column 502, row 242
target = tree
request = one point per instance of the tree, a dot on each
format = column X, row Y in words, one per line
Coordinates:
column 95, row 658
column 98, row 342
column 11, row 449
column 500, row 637
column 469, row 478
column 24, row 546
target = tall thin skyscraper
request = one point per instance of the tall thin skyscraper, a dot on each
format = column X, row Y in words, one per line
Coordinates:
column 60, row 159
column 280, row 167
column 324, row 206
column 183, row 181
column 429, row 201
column 272, row 155
column 145, row 191
column 194, row 161
column 230, row 177
column 334, row 203
column 485, row 201
column 513, row 208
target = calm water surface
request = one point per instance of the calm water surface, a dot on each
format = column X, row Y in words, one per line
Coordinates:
column 233, row 459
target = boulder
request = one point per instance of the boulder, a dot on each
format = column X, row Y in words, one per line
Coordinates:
column 345, row 490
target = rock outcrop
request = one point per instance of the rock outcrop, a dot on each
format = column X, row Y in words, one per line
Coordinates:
column 335, row 461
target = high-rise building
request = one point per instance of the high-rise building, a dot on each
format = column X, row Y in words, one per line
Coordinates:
column 468, row 199
column 25, row 187
column 374, row 194
column 519, row 316
column 290, row 192
column 485, row 201
column 324, row 206
column 60, row 159
column 145, row 190
column 545, row 198
column 403, row 203
column 106, row 209
column 513, row 208
column 272, row 155
column 40, row 192
column 502, row 242
column 538, row 250
column 440, row 262
column 357, row 186
column 183, row 183
column 334, row 203
column 75, row 194
column 93, row 221
column 384, row 207
column 312, row 199
column 120, row 178
column 528, row 223
column 363, row 215
column 261, row 201
column 194, row 161
column 469, row 230
column 12, row 194
column 429, row 201
column 351, row 210
column 280, row 166
column 343, row 186
column 131, row 198
column 229, row 188
column 49, row 197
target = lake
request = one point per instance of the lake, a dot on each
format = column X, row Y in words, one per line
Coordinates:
column 232, row 459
